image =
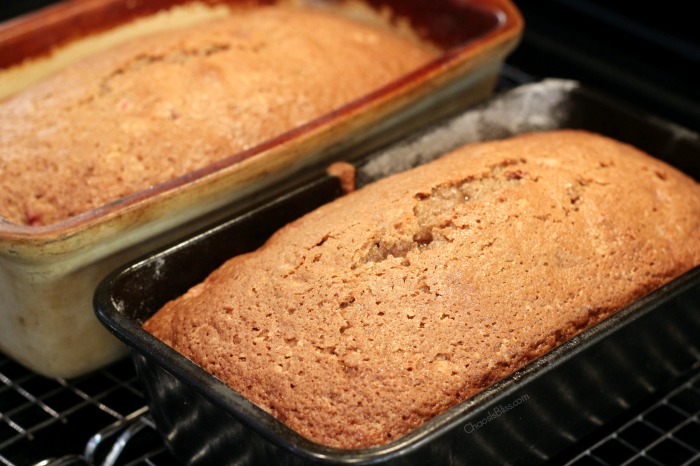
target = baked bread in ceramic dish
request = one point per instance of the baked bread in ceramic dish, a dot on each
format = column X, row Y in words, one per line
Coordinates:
column 166, row 105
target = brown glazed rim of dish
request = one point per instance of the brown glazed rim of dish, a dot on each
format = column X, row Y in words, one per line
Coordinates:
column 79, row 14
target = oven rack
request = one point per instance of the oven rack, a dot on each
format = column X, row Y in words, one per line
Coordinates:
column 101, row 420
column 98, row 420
column 663, row 430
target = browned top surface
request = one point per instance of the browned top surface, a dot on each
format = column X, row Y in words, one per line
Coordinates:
column 161, row 107
column 364, row 319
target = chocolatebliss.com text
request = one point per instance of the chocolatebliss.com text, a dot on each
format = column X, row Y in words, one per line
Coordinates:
column 494, row 413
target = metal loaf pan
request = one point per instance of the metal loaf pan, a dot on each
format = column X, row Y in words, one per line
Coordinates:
column 48, row 274
column 524, row 419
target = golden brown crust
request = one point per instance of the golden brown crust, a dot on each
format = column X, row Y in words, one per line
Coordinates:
column 161, row 107
column 374, row 313
column 345, row 172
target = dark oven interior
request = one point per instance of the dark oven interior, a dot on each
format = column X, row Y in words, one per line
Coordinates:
column 645, row 55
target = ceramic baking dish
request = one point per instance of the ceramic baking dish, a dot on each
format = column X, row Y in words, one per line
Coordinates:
column 525, row 418
column 48, row 274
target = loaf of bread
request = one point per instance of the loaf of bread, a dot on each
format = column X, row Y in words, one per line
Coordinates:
column 367, row 317
column 163, row 106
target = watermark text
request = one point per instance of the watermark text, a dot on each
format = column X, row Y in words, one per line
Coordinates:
column 494, row 414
